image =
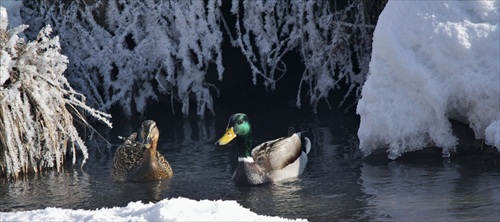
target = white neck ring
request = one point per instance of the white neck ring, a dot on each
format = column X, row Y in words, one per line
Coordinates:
column 247, row 159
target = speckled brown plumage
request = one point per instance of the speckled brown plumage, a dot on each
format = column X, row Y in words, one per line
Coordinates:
column 127, row 156
column 135, row 161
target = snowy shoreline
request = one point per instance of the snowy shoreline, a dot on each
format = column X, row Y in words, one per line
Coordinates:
column 175, row 209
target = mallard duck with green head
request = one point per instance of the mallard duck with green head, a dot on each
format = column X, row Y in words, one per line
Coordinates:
column 268, row 162
column 140, row 162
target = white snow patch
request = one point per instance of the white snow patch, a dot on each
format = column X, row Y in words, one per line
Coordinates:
column 177, row 209
column 431, row 61
column 492, row 134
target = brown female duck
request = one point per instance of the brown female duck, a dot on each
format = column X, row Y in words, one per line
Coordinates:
column 140, row 162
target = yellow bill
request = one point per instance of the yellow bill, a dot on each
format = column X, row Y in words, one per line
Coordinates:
column 228, row 136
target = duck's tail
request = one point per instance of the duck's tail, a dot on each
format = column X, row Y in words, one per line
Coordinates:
column 130, row 139
column 306, row 142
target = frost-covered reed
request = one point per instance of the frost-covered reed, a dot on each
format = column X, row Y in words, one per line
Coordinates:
column 38, row 107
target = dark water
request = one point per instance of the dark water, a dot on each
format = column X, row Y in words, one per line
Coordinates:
column 336, row 186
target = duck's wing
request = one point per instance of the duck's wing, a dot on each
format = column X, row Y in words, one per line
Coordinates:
column 128, row 156
column 279, row 153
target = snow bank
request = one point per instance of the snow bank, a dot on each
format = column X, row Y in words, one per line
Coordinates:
column 431, row 61
column 178, row 209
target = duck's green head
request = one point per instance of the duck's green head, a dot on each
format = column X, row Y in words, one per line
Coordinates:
column 237, row 127
column 149, row 133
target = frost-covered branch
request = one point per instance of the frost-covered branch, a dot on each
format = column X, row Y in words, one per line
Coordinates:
column 334, row 45
column 36, row 121
column 128, row 52
column 335, row 49
column 124, row 53
column 266, row 31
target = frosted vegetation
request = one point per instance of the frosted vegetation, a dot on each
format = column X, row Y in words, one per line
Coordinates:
column 439, row 61
column 125, row 53
column 38, row 107
column 327, row 43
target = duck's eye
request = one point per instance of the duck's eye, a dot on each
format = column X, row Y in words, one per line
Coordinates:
column 240, row 122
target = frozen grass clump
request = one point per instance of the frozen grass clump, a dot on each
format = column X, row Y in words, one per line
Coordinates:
column 38, row 107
